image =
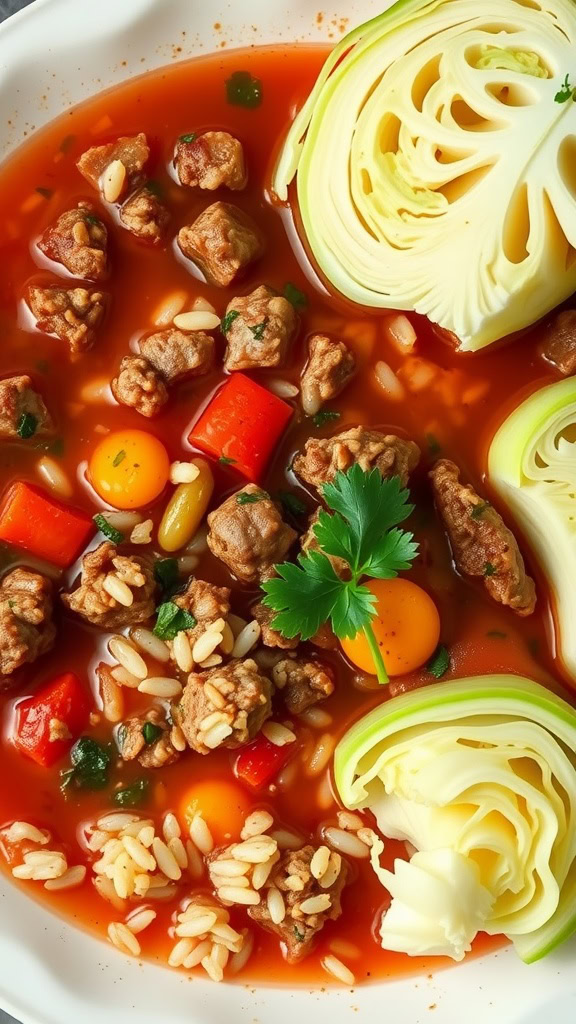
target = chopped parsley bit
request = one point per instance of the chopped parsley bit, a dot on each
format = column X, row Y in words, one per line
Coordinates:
column 67, row 142
column 297, row 298
column 107, row 529
column 258, row 329
column 47, row 193
column 489, row 569
column 292, row 503
column 249, row 499
column 299, row 935
column 439, row 662
column 228, row 320
column 496, row 634
column 151, row 732
column 325, row 416
column 91, row 219
column 154, row 187
column 434, row 446
column 132, row 796
column 166, row 574
column 478, row 510
column 27, row 425
column 227, row 461
column 565, row 92
column 90, row 766
column 119, row 457
column 172, row 620
column 242, row 90
column 190, row 137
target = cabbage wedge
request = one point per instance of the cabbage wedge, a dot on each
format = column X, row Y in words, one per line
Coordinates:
column 435, row 163
column 479, row 775
column 532, row 466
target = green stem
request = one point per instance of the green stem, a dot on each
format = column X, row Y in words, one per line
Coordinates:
column 376, row 655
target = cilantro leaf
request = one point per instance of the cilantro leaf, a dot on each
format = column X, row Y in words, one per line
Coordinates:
column 354, row 607
column 243, row 90
column 295, row 297
column 189, row 137
column 172, row 620
column 166, row 574
column 439, row 662
column 133, row 795
column 27, row 425
column 489, row 569
column 151, row 732
column 90, row 769
column 228, row 320
column 303, row 595
column 258, row 329
column 325, row 416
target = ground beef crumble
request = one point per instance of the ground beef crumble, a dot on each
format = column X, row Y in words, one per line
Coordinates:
column 92, row 601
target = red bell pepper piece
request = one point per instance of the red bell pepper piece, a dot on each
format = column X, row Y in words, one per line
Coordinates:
column 242, row 423
column 37, row 522
column 261, row 761
column 62, row 701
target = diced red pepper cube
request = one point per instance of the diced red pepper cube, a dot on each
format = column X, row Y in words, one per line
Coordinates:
column 38, row 523
column 61, row 706
column 261, row 761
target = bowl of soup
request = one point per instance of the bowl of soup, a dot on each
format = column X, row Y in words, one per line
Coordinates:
column 286, row 689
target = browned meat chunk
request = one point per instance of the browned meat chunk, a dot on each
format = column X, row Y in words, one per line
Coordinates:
column 558, row 344
column 248, row 534
column 329, row 369
column 72, row 314
column 208, row 604
column 145, row 215
column 210, row 161
column 323, row 458
column 176, row 354
column 114, row 590
column 26, row 627
column 139, row 386
column 481, row 544
column 304, row 682
column 293, row 877
column 309, row 542
column 147, row 737
column 225, row 707
column 78, row 240
column 268, row 636
column 22, row 410
column 223, row 240
column 262, row 325
column 133, row 152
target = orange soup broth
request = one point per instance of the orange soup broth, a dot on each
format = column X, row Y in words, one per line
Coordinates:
column 454, row 414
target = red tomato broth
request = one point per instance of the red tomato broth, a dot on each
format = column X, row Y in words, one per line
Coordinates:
column 164, row 104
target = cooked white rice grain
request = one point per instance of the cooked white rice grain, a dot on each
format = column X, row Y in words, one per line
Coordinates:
column 198, row 954
column 113, row 180
column 96, row 839
column 195, row 862
column 199, row 543
column 53, row 474
column 401, row 332
column 239, row 960
column 275, row 904
column 142, row 532
column 389, row 382
column 229, row 868
column 161, row 892
column 234, row 894
column 206, row 644
column 150, row 644
column 246, row 639
column 183, row 472
column 179, row 952
column 122, row 521
column 344, row 948
column 139, row 854
column 197, row 926
column 255, row 851
column 171, row 827
column 200, row 303
column 316, row 904
column 161, row 686
column 71, row 879
column 182, row 652
column 123, row 875
column 262, row 872
column 287, row 840
column 112, row 698
column 166, row 860
column 121, row 936
column 320, row 861
column 214, row 972
column 178, row 851
column 287, row 776
column 116, row 821
column 105, row 888
column 317, row 718
column 278, row 734
column 321, row 754
column 218, row 881
column 140, row 920
column 256, row 824
column 346, row 843
column 332, row 871
column 187, row 564
column 216, row 735
column 197, row 320
column 169, row 308
column 127, row 656
column 282, row 388
column 23, row 830
column 201, row 835
column 332, row 965
column 349, row 821
column 227, row 643
column 118, row 590
column 125, row 678
column 220, row 955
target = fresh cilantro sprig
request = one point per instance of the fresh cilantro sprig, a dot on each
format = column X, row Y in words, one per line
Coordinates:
column 565, row 92
column 362, row 529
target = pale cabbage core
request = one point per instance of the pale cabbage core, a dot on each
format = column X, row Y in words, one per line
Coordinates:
column 435, row 168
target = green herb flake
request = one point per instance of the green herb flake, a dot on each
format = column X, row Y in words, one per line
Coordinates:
column 439, row 662
column 477, row 511
column 67, row 142
column 258, row 329
column 90, row 766
column 291, row 503
column 565, row 92
column 295, row 297
column 154, row 187
column 119, row 457
column 227, row 461
column 434, row 446
column 247, row 498
column 47, row 193
column 166, row 574
column 300, row 936
column 133, row 795
column 190, row 137
column 27, row 425
column 91, row 219
column 228, row 320
column 172, row 620
column 489, row 569
column 325, row 416
column 55, row 447
column 151, row 732
column 107, row 529
column 242, row 90
column 496, row 634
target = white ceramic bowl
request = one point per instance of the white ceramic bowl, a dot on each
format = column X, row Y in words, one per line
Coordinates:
column 53, row 54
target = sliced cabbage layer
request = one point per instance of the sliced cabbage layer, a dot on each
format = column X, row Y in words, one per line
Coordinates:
column 532, row 466
column 435, row 160
column 480, row 776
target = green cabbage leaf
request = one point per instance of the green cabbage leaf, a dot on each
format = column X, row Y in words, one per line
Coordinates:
column 435, row 163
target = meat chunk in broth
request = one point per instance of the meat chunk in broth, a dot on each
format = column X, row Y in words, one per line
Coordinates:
column 225, row 707
column 323, row 458
column 145, row 215
column 139, row 386
column 115, row 590
column 248, row 534
column 482, row 544
column 209, row 605
column 558, row 344
column 223, row 241
column 146, row 738
column 176, row 354
column 72, row 314
column 22, row 410
column 272, row 637
column 26, row 627
column 209, row 161
column 292, row 876
column 78, row 240
column 261, row 327
column 132, row 151
column 330, row 367
column 303, row 682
